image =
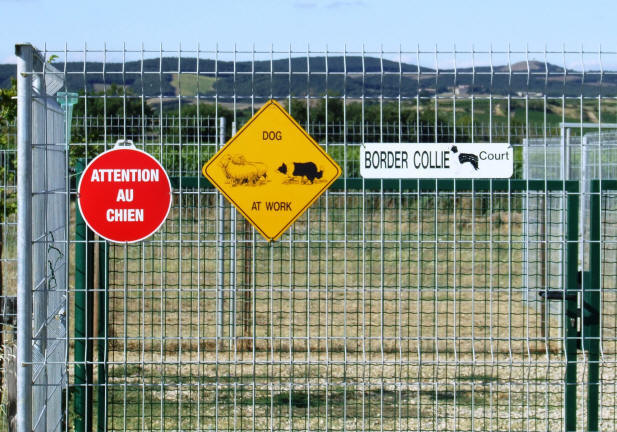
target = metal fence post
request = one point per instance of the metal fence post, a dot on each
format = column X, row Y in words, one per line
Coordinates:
column 24, row 54
column 591, row 308
column 84, row 308
column 233, row 273
column 102, row 335
column 571, row 339
column 220, row 275
column 584, row 181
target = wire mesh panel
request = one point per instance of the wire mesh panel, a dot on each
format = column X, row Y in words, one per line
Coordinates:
column 399, row 310
column 588, row 156
column 49, row 246
column 50, row 250
column 609, row 304
column 388, row 305
column 7, row 275
column 173, row 140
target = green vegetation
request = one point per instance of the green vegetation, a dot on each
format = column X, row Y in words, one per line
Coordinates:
column 192, row 84
column 8, row 112
column 8, row 193
column 190, row 132
column 8, row 115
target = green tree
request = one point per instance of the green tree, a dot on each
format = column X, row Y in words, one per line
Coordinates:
column 208, row 116
column 8, row 204
column 297, row 110
column 8, row 115
column 8, row 111
column 116, row 102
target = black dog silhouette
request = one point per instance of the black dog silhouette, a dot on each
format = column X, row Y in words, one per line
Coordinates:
column 303, row 169
column 466, row 157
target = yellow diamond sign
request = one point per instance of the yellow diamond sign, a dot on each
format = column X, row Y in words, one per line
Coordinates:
column 272, row 170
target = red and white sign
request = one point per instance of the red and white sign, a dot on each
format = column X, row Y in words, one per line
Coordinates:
column 124, row 195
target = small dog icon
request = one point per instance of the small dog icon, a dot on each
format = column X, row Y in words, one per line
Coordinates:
column 466, row 157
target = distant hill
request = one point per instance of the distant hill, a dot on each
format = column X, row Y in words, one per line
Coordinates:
column 7, row 71
column 263, row 79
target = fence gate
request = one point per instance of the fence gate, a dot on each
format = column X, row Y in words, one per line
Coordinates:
column 389, row 305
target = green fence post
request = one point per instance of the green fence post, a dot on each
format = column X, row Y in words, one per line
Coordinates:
column 102, row 336
column 84, row 283
column 571, row 310
column 591, row 309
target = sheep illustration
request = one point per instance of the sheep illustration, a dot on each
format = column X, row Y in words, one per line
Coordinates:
column 239, row 171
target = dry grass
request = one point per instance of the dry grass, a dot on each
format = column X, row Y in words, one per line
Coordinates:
column 452, row 284
column 329, row 392
column 396, row 320
column 430, row 332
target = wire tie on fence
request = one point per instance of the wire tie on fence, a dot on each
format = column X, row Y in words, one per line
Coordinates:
column 124, row 143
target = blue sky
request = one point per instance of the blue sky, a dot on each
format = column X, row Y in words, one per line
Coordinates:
column 322, row 23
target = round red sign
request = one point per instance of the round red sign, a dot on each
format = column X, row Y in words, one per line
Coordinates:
column 124, row 195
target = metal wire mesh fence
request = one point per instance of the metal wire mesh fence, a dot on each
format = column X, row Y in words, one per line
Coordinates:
column 608, row 326
column 390, row 304
column 8, row 263
column 49, row 250
column 379, row 308
column 167, row 128
column 188, row 131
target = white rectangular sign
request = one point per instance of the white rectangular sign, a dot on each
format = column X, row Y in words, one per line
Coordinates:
column 441, row 160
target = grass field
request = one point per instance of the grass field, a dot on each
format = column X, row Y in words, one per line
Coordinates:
column 396, row 319
column 189, row 85
column 400, row 312
column 264, row 392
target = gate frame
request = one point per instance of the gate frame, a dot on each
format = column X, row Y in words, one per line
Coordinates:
column 591, row 300
column 571, row 190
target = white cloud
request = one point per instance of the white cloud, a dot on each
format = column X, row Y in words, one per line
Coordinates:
column 12, row 59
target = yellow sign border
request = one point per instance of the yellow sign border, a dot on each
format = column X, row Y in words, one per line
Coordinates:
column 310, row 140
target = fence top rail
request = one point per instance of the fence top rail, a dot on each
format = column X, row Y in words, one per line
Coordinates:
column 422, row 185
column 588, row 125
column 597, row 185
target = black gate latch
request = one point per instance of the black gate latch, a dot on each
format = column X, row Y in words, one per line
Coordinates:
column 591, row 316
